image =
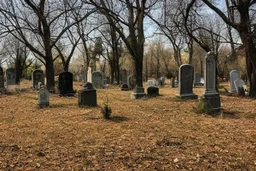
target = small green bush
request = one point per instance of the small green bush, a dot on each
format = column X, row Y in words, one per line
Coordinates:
column 202, row 106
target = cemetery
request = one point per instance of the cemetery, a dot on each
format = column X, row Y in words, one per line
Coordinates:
column 128, row 85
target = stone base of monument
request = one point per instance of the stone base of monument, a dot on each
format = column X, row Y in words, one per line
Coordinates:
column 152, row 91
column 138, row 93
column 87, row 97
column 213, row 100
column 187, row 96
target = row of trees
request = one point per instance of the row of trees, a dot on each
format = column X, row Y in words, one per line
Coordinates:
column 55, row 29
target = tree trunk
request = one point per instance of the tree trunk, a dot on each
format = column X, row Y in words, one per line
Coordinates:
column 50, row 83
column 138, row 70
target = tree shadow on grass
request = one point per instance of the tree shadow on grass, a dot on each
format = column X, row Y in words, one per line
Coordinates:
column 118, row 119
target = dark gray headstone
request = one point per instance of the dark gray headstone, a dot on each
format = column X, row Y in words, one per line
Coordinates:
column 43, row 97
column 138, row 93
column 123, row 76
column 88, row 96
column 66, row 84
column 153, row 91
column 37, row 76
column 211, row 95
column 124, row 87
column 239, row 84
column 234, row 74
column 132, row 81
column 186, row 77
column 11, row 76
column 98, row 79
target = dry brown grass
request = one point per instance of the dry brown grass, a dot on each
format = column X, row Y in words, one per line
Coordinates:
column 160, row 133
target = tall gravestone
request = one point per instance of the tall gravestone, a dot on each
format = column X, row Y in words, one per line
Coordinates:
column 98, row 79
column 37, row 77
column 2, row 88
column 234, row 74
column 186, row 77
column 43, row 97
column 211, row 96
column 132, row 81
column 66, row 84
column 10, row 76
column 123, row 76
column 89, row 75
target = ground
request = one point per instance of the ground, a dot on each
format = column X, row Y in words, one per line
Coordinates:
column 161, row 133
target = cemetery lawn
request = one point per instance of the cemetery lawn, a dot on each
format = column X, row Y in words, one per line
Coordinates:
column 162, row 133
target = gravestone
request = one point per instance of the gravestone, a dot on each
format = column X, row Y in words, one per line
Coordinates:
column 124, row 87
column 138, row 93
column 2, row 88
column 162, row 79
column 87, row 96
column 151, row 83
column 153, row 91
column 234, row 74
column 132, row 81
column 197, row 79
column 239, row 84
column 89, row 75
column 10, row 76
column 43, row 97
column 211, row 96
column 98, row 79
column 66, row 84
column 123, row 76
column 186, row 77
column 37, row 76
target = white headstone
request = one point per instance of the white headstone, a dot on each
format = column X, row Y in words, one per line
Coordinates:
column 151, row 83
column 239, row 84
column 234, row 74
column 89, row 75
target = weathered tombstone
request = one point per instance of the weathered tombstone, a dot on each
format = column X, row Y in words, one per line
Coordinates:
column 66, row 84
column 37, row 76
column 10, row 76
column 153, row 91
column 43, row 97
column 186, row 77
column 98, row 79
column 2, row 88
column 87, row 96
column 89, row 75
column 197, row 79
column 234, row 74
column 151, row 83
column 239, row 84
column 138, row 93
column 132, row 81
column 162, row 79
column 124, row 87
column 123, row 76
column 211, row 96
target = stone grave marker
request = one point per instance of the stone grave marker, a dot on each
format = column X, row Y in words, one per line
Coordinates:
column 186, row 77
column 234, row 74
column 89, row 75
column 132, row 81
column 138, row 93
column 197, row 79
column 37, row 76
column 66, row 84
column 87, row 96
column 98, row 79
column 210, row 94
column 124, row 87
column 43, row 97
column 10, row 76
column 239, row 84
column 153, row 91
column 151, row 83
column 123, row 76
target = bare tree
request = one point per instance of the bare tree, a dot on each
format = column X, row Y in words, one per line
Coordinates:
column 39, row 25
column 240, row 18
